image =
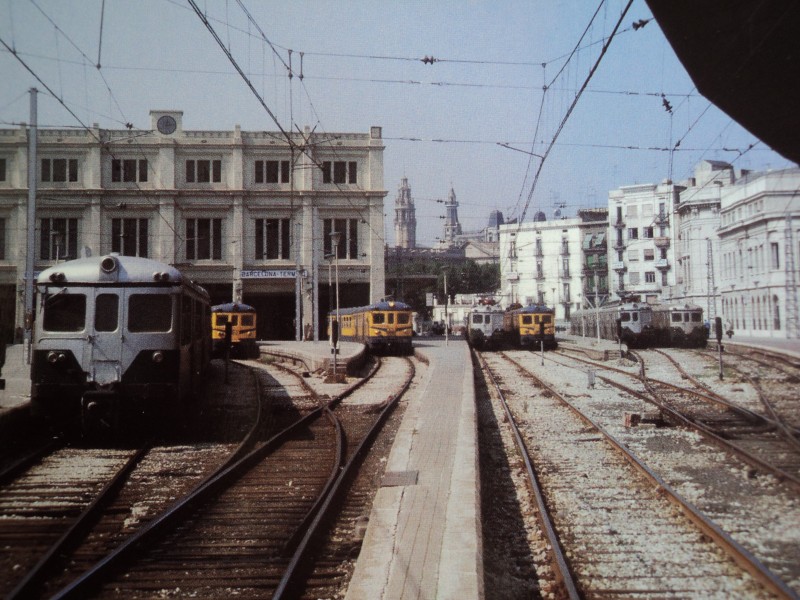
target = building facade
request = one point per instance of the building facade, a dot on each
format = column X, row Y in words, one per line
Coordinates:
column 248, row 215
column 554, row 262
column 697, row 219
column 640, row 248
column 758, row 236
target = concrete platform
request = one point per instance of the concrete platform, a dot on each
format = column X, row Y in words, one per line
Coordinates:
column 591, row 347
column 15, row 398
column 423, row 539
column 317, row 356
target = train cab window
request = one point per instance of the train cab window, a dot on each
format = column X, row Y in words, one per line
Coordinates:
column 220, row 320
column 402, row 318
column 545, row 318
column 64, row 312
column 149, row 313
column 247, row 320
column 696, row 317
column 390, row 318
column 527, row 319
column 625, row 317
column 686, row 317
column 106, row 312
column 378, row 318
column 477, row 319
column 676, row 317
column 634, row 317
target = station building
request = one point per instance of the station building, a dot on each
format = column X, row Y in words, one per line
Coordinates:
column 248, row 215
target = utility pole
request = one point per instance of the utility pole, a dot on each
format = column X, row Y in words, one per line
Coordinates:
column 711, row 284
column 792, row 326
column 32, row 135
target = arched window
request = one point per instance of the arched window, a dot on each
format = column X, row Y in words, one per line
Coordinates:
column 776, row 313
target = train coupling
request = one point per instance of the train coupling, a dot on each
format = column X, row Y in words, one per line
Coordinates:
column 100, row 411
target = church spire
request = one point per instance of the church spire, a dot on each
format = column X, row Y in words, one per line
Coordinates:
column 405, row 221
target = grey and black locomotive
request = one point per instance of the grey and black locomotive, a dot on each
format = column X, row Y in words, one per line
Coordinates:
column 117, row 335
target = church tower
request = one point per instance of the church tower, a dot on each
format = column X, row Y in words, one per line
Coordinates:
column 452, row 227
column 405, row 220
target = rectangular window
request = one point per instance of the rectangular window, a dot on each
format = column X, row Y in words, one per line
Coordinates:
column 128, row 169
column 129, row 237
column 203, row 171
column 58, row 239
column 2, row 169
column 2, row 240
column 64, row 312
column 272, row 171
column 272, row 239
column 204, row 239
column 149, row 313
column 647, row 232
column 633, row 255
column 633, row 233
column 348, row 243
column 106, row 312
column 634, row 278
column 339, row 172
column 59, row 169
column 776, row 257
column 650, row 277
column 632, row 210
column 649, row 254
column 647, row 210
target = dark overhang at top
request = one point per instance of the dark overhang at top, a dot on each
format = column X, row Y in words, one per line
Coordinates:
column 743, row 56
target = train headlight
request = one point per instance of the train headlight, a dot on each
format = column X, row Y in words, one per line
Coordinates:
column 109, row 264
column 57, row 276
column 160, row 276
column 54, row 357
column 158, row 357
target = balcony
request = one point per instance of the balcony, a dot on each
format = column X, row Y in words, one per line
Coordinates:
column 663, row 264
column 619, row 265
column 564, row 250
column 662, row 219
column 661, row 241
column 619, row 224
column 539, row 275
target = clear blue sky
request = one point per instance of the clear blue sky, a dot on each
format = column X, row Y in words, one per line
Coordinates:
column 362, row 67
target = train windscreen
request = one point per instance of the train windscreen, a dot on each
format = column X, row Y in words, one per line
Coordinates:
column 64, row 312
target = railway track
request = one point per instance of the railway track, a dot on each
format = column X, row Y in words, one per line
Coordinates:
column 77, row 504
column 757, row 438
column 247, row 529
column 618, row 522
column 760, row 510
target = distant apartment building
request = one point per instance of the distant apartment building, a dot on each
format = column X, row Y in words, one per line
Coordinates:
column 759, row 235
column 248, row 215
column 555, row 262
column 697, row 219
column 641, row 246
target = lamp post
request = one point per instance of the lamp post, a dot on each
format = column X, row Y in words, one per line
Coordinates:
column 335, row 238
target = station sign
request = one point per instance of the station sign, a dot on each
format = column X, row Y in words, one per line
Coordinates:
column 267, row 273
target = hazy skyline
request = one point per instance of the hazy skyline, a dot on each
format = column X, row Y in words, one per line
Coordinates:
column 445, row 123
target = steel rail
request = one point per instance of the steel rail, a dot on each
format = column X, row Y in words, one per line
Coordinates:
column 35, row 578
column 21, row 465
column 710, row 397
column 740, row 555
column 202, row 493
column 563, row 573
column 291, row 573
column 773, row 419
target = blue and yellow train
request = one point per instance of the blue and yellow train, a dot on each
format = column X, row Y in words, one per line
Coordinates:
column 242, row 318
column 385, row 327
column 528, row 326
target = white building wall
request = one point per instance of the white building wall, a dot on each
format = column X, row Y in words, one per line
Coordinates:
column 641, row 241
column 755, row 299
column 166, row 200
column 542, row 262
